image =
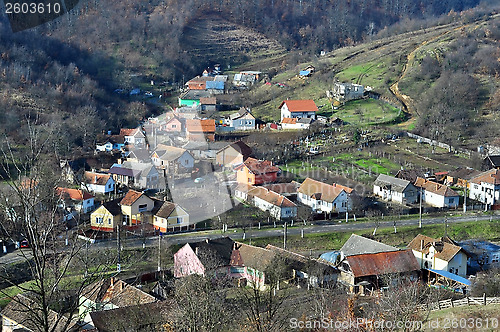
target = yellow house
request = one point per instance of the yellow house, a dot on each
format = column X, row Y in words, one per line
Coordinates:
column 171, row 217
column 136, row 208
column 107, row 216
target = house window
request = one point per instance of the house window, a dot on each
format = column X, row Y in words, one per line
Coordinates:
column 109, row 221
column 180, row 220
column 143, row 207
column 186, row 162
column 126, row 219
column 174, row 126
column 249, row 180
column 98, row 220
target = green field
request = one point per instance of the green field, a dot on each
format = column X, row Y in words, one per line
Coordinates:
column 367, row 112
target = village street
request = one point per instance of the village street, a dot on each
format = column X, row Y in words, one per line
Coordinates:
column 237, row 234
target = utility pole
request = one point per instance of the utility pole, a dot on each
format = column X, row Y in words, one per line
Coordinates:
column 420, row 210
column 118, row 265
column 159, row 250
column 284, row 235
column 465, row 197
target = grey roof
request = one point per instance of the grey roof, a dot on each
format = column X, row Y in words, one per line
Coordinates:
column 395, row 184
column 358, row 245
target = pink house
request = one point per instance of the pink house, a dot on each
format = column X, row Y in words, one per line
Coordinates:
column 224, row 257
column 172, row 125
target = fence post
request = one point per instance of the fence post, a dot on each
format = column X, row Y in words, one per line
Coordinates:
column 484, row 298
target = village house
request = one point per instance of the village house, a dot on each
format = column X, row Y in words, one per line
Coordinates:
column 138, row 175
column 436, row 194
column 439, row 254
column 255, row 172
column 134, row 137
column 233, row 154
column 461, row 177
column 278, row 205
column 366, row 264
column 240, row 121
column 296, row 123
column 305, row 271
column 223, row 256
column 202, row 150
column 484, row 255
column 152, row 316
column 98, row 183
column 192, row 99
column 208, row 104
column 322, row 197
column 170, row 217
column 485, row 188
column 298, row 109
column 136, row 208
column 17, row 318
column 375, row 270
column 172, row 125
column 246, row 78
column 200, row 130
column 108, row 143
column 491, row 161
column 139, row 156
column 395, row 190
column 343, row 92
column 76, row 199
column 172, row 160
column 288, row 189
column 107, row 216
column 107, row 294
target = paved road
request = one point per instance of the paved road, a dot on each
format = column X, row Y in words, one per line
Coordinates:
column 269, row 232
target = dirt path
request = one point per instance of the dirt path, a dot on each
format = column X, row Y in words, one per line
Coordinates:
column 406, row 100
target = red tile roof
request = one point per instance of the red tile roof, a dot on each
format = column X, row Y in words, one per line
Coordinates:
column 434, row 187
column 492, row 177
column 259, row 166
column 74, row 194
column 200, row 126
column 127, row 132
column 271, row 197
column 383, row 263
column 307, row 105
column 130, row 197
column 96, row 178
column 289, row 120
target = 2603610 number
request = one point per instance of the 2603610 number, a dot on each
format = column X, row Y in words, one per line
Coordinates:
column 32, row 8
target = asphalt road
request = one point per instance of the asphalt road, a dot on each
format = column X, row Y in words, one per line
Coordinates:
column 135, row 242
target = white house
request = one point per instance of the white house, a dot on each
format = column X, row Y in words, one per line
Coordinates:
column 278, row 205
column 486, row 188
column 98, row 183
column 298, row 109
column 322, row 197
column 171, row 158
column 296, row 123
column 436, row 194
column 80, row 200
column 134, row 136
column 439, row 254
column 395, row 190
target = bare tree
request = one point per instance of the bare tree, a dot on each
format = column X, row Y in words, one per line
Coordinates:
column 264, row 306
column 29, row 205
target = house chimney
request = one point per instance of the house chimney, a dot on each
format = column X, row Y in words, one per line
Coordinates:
column 422, row 244
column 112, row 279
column 196, row 251
column 95, row 179
column 207, row 240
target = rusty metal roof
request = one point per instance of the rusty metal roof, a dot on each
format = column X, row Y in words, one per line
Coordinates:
column 383, row 263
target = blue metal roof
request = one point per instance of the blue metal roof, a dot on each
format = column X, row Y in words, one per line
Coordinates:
column 330, row 256
column 218, row 85
column 452, row 276
column 304, row 72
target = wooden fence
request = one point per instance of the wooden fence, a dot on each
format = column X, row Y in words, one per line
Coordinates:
column 467, row 301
